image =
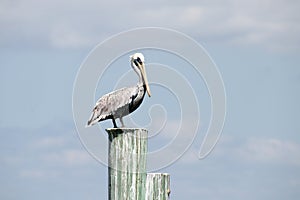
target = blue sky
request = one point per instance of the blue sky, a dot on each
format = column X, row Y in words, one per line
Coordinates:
column 255, row 45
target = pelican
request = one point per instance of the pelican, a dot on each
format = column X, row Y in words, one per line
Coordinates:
column 119, row 103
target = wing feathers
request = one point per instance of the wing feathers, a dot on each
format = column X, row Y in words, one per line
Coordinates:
column 113, row 105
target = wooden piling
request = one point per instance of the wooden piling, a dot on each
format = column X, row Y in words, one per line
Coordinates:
column 127, row 178
column 127, row 163
column 157, row 186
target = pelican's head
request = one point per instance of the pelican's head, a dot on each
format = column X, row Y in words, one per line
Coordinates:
column 137, row 56
column 138, row 63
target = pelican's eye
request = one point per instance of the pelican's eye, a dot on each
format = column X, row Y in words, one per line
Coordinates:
column 139, row 60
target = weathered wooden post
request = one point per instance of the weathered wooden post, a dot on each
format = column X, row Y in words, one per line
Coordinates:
column 127, row 163
column 127, row 178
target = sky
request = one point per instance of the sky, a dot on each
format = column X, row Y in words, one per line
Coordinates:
column 255, row 45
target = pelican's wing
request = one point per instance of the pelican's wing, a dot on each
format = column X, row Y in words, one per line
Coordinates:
column 114, row 104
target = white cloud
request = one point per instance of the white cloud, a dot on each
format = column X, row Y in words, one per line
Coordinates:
column 269, row 24
column 271, row 150
column 260, row 150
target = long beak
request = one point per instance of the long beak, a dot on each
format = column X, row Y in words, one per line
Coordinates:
column 144, row 76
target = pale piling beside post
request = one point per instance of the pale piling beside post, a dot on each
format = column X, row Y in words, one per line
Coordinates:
column 158, row 186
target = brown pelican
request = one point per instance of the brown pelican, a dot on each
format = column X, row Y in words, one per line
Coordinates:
column 121, row 102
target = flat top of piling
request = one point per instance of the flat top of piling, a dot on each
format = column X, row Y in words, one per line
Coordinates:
column 125, row 129
column 162, row 174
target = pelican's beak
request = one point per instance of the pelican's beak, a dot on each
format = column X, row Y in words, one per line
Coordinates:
column 145, row 79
